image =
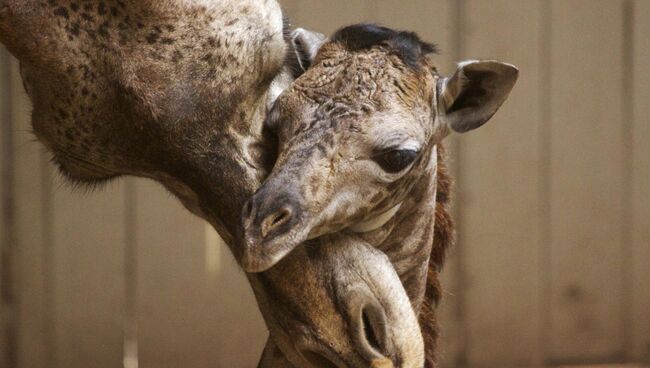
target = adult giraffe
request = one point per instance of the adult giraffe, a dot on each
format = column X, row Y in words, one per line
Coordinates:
column 176, row 91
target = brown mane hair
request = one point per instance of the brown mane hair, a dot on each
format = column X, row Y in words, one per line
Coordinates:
column 443, row 239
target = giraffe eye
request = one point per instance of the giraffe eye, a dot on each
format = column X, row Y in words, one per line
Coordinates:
column 396, row 160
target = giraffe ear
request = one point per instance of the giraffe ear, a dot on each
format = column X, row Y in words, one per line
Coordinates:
column 304, row 46
column 470, row 97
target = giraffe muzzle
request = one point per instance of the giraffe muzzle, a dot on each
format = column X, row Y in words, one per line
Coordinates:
column 271, row 228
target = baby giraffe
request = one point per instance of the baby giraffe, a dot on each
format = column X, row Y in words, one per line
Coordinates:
column 359, row 145
column 357, row 139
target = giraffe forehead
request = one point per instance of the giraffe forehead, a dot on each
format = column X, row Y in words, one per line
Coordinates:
column 350, row 127
column 362, row 93
column 339, row 72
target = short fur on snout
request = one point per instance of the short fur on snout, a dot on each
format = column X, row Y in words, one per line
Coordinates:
column 357, row 131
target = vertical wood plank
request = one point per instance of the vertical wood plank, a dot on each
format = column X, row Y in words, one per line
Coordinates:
column 586, row 174
column 131, row 286
column 88, row 240
column 242, row 332
column 640, row 318
column 500, row 199
column 453, row 311
column 190, row 315
column 7, row 303
column 290, row 8
column 32, row 183
column 172, row 329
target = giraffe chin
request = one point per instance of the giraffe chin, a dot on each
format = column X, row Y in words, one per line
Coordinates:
column 259, row 255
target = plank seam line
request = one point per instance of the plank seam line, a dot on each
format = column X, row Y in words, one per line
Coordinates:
column 545, row 185
column 462, row 360
column 8, row 274
column 628, row 175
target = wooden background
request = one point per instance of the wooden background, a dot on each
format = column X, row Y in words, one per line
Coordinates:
column 552, row 265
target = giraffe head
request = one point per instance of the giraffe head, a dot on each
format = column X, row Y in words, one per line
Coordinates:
column 339, row 302
column 356, row 131
column 147, row 88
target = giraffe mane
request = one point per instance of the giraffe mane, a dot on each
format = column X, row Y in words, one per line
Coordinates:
column 442, row 240
column 406, row 45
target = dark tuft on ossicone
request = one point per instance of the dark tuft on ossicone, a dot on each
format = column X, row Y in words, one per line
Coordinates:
column 291, row 61
column 406, row 45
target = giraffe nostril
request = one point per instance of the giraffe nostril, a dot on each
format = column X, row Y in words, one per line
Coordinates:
column 275, row 220
column 370, row 333
column 248, row 209
column 247, row 214
column 369, row 328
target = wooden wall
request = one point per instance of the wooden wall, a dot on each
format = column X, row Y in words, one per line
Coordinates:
column 552, row 205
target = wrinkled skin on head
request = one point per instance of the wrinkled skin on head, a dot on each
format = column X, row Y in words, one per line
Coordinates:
column 353, row 132
column 358, row 144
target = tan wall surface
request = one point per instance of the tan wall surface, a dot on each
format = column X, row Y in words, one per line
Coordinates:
column 637, row 261
column 552, row 205
column 6, row 303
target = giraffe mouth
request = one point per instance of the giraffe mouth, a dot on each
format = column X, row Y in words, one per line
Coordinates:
column 261, row 253
column 375, row 222
column 80, row 170
column 274, row 223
